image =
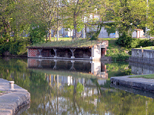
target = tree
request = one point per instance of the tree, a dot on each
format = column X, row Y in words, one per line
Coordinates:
column 48, row 12
column 6, row 7
column 129, row 14
column 104, row 8
column 74, row 13
column 150, row 17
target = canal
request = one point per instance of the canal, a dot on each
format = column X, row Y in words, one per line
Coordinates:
column 77, row 87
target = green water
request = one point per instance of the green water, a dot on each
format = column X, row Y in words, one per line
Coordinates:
column 71, row 90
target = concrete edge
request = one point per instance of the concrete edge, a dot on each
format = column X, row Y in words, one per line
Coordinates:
column 13, row 102
column 135, row 83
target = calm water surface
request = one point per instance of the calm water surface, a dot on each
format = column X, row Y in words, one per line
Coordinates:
column 76, row 87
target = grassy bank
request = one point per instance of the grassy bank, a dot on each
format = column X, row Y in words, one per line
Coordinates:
column 150, row 76
column 115, row 51
column 17, row 48
column 147, row 48
column 76, row 43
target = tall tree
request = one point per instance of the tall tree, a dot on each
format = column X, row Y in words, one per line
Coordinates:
column 103, row 10
column 74, row 12
column 150, row 17
column 129, row 14
column 6, row 7
column 48, row 13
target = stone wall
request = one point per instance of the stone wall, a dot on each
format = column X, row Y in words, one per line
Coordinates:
column 142, row 56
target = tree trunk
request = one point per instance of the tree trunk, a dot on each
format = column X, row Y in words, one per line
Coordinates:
column 96, row 34
column 50, row 35
column 46, row 37
column 75, row 26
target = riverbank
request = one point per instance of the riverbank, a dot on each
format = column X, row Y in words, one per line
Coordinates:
column 135, row 83
column 117, row 53
column 14, row 100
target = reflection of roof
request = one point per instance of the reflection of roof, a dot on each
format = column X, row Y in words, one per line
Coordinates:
column 65, row 73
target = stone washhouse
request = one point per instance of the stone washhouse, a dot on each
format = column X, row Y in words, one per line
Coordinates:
column 95, row 52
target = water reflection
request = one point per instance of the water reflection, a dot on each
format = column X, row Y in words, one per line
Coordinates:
column 96, row 68
column 61, row 90
column 139, row 69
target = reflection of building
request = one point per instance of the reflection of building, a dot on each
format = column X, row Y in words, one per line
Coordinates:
column 90, row 86
column 86, row 68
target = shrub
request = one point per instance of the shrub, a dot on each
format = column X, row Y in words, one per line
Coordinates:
column 117, row 55
column 127, row 41
column 37, row 33
column 145, row 43
column 17, row 47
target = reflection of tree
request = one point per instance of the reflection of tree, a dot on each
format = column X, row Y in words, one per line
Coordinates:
column 48, row 97
column 118, row 69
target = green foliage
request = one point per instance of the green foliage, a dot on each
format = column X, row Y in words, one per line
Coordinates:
column 127, row 41
column 110, row 27
column 79, row 88
column 14, row 47
column 90, row 34
column 145, row 43
column 129, row 14
column 117, row 55
column 95, row 36
column 37, row 33
column 149, row 76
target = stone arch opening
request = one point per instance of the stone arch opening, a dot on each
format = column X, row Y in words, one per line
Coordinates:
column 82, row 53
column 63, row 52
column 52, row 53
column 45, row 52
column 103, row 52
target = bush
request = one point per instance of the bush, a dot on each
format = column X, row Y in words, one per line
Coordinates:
column 37, row 33
column 117, row 55
column 14, row 47
column 127, row 41
column 145, row 43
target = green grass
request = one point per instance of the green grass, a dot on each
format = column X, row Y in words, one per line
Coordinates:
column 147, row 48
column 75, row 43
column 64, row 39
column 115, row 51
column 150, row 76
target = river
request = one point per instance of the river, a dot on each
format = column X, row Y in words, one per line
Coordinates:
column 77, row 87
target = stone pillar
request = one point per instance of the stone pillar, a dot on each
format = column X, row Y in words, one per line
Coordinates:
column 40, row 50
column 55, row 50
column 95, row 52
column 72, row 50
column 11, row 85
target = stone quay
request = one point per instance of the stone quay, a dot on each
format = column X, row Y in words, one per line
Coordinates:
column 13, row 98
